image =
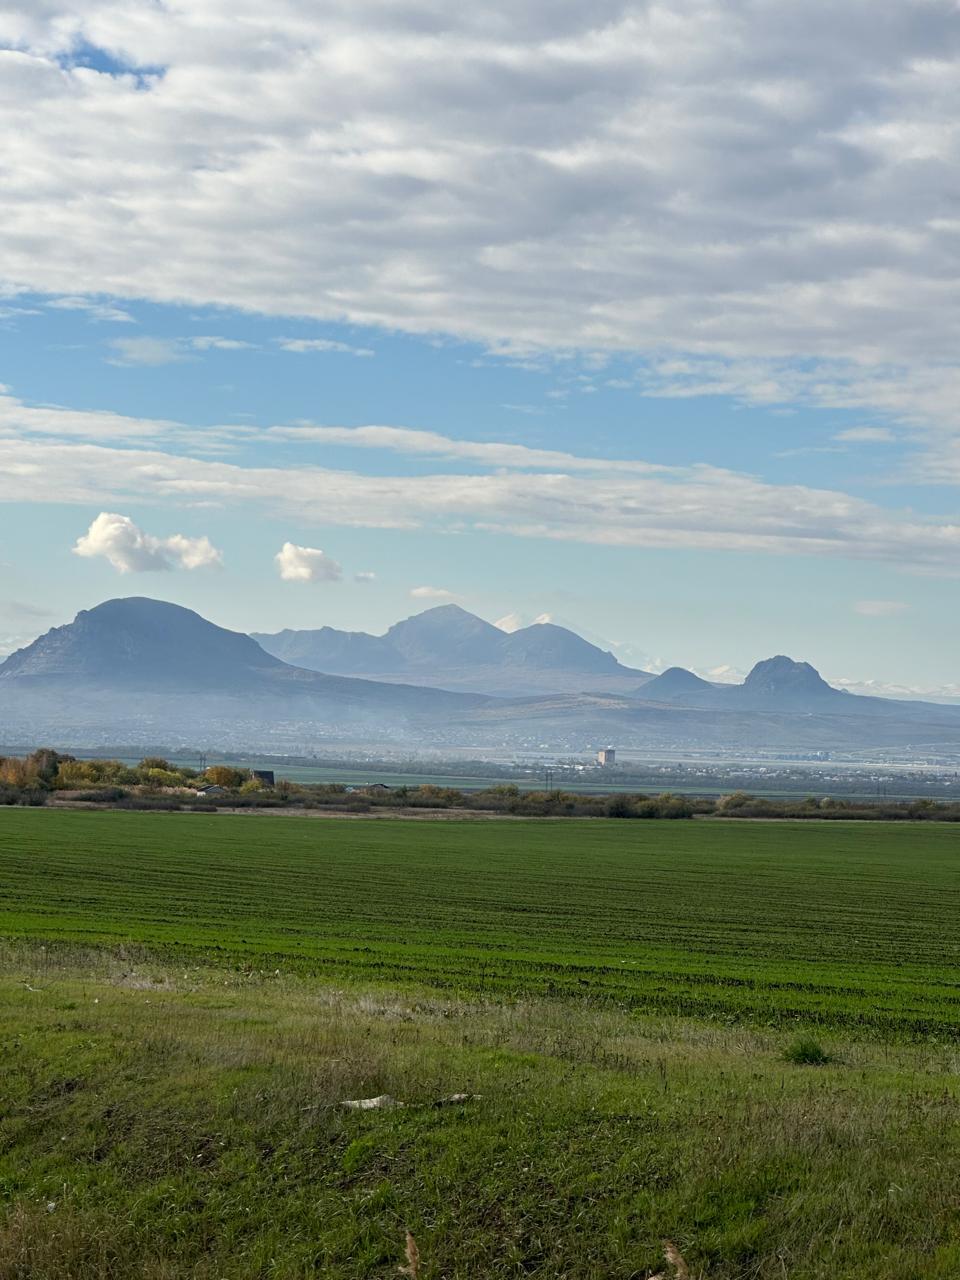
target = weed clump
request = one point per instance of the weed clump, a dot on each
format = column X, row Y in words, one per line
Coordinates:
column 807, row 1051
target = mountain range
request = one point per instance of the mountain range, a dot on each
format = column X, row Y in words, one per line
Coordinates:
column 144, row 671
column 137, row 666
column 449, row 648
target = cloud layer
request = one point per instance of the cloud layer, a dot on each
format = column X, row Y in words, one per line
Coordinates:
column 604, row 502
column 745, row 183
column 118, row 540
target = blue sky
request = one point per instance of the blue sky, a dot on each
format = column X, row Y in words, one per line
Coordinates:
column 641, row 320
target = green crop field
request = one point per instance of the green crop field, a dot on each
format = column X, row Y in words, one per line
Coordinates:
column 741, row 1037
column 836, row 923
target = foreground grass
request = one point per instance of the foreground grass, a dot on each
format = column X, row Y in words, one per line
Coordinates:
column 167, row 1123
column 848, row 926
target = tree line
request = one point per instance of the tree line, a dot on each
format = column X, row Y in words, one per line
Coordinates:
column 47, row 776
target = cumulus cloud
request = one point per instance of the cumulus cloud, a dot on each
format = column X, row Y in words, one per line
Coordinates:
column 736, row 182
column 879, row 608
column 118, row 540
column 431, row 593
column 306, row 564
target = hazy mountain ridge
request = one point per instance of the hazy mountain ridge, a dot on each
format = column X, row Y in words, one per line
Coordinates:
column 448, row 647
column 136, row 639
column 141, row 659
column 143, row 670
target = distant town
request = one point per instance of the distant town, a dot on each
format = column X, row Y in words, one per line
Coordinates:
column 607, row 770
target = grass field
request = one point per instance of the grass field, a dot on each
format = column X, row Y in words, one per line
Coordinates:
column 843, row 924
column 183, row 1124
column 186, row 1000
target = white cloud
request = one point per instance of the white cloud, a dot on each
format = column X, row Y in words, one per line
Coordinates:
column 303, row 345
column 365, row 575
column 948, row 693
column 431, row 593
column 430, row 443
column 511, row 622
column 20, row 419
column 49, row 454
column 147, row 351
column 160, row 351
column 744, row 183
column 879, row 608
column 866, row 435
column 725, row 674
column 306, row 564
column 213, row 343
column 117, row 539
column 94, row 309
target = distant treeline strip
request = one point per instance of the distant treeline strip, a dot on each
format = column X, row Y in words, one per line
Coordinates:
column 48, row 776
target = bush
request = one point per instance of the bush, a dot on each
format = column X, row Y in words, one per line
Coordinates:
column 155, row 762
column 731, row 803
column 673, row 806
column 807, row 1051
column 102, row 795
column 30, row 796
column 619, row 807
column 148, row 802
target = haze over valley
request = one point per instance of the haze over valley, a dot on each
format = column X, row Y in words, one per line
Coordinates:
column 136, row 670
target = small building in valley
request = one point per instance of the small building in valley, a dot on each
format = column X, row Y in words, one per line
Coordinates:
column 606, row 757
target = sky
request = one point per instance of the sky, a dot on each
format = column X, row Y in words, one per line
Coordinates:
column 643, row 317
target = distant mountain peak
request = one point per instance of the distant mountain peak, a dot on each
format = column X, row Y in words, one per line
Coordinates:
column 681, row 678
column 449, row 610
column 674, row 684
column 445, row 633
column 781, row 675
column 132, row 638
column 549, row 645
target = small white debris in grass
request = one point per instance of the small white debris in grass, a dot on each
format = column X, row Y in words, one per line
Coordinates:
column 385, row 1101
column 380, row 1103
column 51, row 1205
